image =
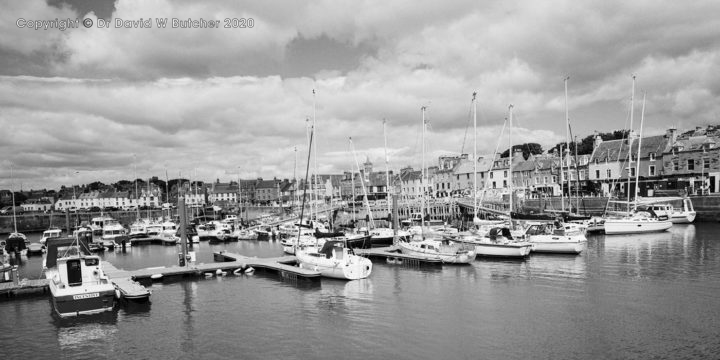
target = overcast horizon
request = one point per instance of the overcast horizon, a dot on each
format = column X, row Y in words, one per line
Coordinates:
column 94, row 104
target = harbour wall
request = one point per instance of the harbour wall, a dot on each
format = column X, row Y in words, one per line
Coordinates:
column 707, row 206
column 31, row 222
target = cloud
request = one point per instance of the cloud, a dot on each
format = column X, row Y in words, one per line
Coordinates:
column 218, row 99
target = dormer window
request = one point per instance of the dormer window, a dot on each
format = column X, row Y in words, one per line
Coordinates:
column 597, row 161
column 652, row 156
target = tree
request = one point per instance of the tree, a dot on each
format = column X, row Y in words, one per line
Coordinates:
column 527, row 149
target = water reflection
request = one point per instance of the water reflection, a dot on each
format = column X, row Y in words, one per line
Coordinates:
column 86, row 332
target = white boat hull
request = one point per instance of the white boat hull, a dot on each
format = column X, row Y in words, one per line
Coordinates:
column 350, row 267
column 446, row 257
column 503, row 250
column 630, row 226
column 557, row 247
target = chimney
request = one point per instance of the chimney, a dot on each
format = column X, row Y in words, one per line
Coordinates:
column 597, row 141
column 671, row 135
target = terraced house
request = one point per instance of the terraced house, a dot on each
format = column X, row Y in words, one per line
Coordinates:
column 691, row 163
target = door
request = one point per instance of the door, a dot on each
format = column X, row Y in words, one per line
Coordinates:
column 74, row 272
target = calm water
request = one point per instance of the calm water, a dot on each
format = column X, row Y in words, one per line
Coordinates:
column 625, row 297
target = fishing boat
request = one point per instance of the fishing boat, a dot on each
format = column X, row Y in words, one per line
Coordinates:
column 138, row 229
column 334, row 260
column 111, row 229
column 98, row 223
column 78, row 284
column 16, row 244
column 52, row 232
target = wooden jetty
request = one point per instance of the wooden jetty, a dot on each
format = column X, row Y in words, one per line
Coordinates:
column 392, row 255
column 278, row 265
column 152, row 240
column 25, row 286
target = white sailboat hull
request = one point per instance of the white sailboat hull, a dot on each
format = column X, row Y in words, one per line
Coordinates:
column 503, row 250
column 635, row 226
column 557, row 247
column 446, row 257
column 351, row 268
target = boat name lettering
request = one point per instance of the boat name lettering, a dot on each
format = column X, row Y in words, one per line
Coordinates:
column 86, row 296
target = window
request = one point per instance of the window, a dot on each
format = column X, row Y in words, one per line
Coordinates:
column 505, row 183
column 676, row 165
column 597, row 174
column 505, row 173
column 491, row 175
column 706, row 163
column 608, row 173
column 651, row 170
column 494, row 186
column 632, row 172
column 597, row 161
column 544, row 179
column 690, row 164
column 652, row 156
column 582, row 175
column 554, row 179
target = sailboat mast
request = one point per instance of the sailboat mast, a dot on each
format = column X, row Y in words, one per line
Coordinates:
column 637, row 166
column 307, row 134
column 137, row 198
column 475, row 210
column 567, row 146
column 307, row 170
column 362, row 184
column 295, row 179
column 422, row 177
column 511, row 158
column 314, row 130
column 632, row 106
column 12, row 191
column 387, row 172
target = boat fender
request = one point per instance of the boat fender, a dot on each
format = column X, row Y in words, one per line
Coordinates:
column 156, row 276
column 117, row 293
column 209, row 275
column 238, row 271
column 249, row 270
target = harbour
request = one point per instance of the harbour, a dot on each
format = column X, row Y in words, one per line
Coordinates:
column 651, row 294
column 476, row 180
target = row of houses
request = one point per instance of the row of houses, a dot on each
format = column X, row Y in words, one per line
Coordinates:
column 672, row 163
column 686, row 162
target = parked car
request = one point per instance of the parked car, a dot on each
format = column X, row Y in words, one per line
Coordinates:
column 8, row 210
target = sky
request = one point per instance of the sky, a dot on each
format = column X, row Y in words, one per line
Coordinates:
column 104, row 104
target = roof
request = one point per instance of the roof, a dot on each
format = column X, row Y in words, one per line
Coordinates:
column 223, row 188
column 466, row 166
column 612, row 150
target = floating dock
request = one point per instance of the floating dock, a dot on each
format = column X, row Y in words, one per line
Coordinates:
column 279, row 265
column 392, row 255
column 152, row 240
column 25, row 286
